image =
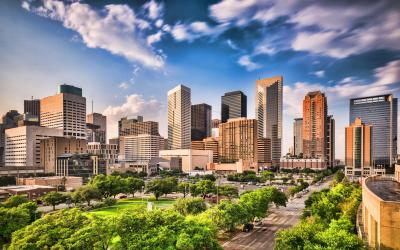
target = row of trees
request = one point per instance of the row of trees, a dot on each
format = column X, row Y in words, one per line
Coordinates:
column 328, row 221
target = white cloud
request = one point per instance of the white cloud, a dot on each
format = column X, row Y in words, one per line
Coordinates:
column 153, row 38
column 247, row 63
column 159, row 23
column 25, row 5
column 115, row 28
column 388, row 74
column 319, row 73
column 123, row 85
column 155, row 10
column 134, row 105
column 192, row 31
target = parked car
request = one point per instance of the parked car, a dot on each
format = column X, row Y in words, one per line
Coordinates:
column 248, row 227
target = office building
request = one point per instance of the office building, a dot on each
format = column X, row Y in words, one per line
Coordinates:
column 136, row 148
column 381, row 113
column 136, row 126
column 81, row 165
column 70, row 182
column 53, row 147
column 233, row 105
column 215, row 127
column 210, row 143
column 107, row 152
column 22, row 145
column 32, row 107
column 8, row 120
column 66, row 111
column 301, row 164
column 238, row 140
column 201, row 121
column 298, row 137
column 187, row 160
column 330, row 141
column 269, row 113
column 98, row 132
column 179, row 117
column 264, row 151
column 315, row 110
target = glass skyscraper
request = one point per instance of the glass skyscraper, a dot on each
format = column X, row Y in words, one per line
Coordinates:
column 233, row 105
column 380, row 112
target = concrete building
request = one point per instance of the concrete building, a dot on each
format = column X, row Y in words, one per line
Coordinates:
column 215, row 127
column 238, row 140
column 188, row 160
column 233, row 105
column 8, row 120
column 315, row 110
column 380, row 222
column 66, row 111
column 380, row 112
column 107, row 152
column 32, row 107
column 100, row 133
column 298, row 136
column 330, row 141
column 269, row 113
column 22, row 145
column 70, row 182
column 236, row 167
column 82, row 165
column 51, row 148
column 201, row 121
column 264, row 151
column 31, row 191
column 179, row 117
column 210, row 143
column 295, row 163
column 135, row 148
column 136, row 126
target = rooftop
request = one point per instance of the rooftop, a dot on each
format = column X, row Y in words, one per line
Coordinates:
column 387, row 190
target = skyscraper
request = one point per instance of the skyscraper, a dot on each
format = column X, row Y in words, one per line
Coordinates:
column 358, row 149
column 136, row 126
column 32, row 107
column 201, row 121
column 315, row 110
column 269, row 113
column 66, row 110
column 298, row 136
column 179, row 117
column 380, row 112
column 330, row 141
column 233, row 105
column 100, row 133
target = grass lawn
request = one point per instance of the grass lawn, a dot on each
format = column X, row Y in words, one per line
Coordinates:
column 130, row 203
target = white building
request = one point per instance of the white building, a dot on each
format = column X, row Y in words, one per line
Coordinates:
column 188, row 160
column 179, row 117
column 22, row 145
column 108, row 152
column 142, row 147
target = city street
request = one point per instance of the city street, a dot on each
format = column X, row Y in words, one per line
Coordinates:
column 263, row 237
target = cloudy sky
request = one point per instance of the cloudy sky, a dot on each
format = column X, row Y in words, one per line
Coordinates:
column 127, row 55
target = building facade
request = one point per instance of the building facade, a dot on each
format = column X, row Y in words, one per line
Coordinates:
column 179, row 117
column 32, row 107
column 136, row 126
column 330, row 141
column 82, row 165
column 233, row 105
column 358, row 149
column 100, row 133
column 22, row 145
column 53, row 147
column 238, row 140
column 299, row 164
column 134, row 148
column 298, row 137
column 188, row 160
column 264, row 151
column 380, row 112
column 269, row 113
column 201, row 121
column 107, row 152
column 66, row 111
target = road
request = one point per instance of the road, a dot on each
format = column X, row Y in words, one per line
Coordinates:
column 263, row 237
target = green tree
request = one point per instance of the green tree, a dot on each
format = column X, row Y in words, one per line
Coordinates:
column 133, row 185
column 230, row 191
column 184, row 187
column 53, row 199
column 204, row 187
column 32, row 209
column 11, row 220
column 87, row 193
column 267, row 175
column 187, row 206
column 159, row 187
column 339, row 176
column 227, row 215
column 15, row 201
column 109, row 185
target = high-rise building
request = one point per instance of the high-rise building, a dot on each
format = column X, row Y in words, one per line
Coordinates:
column 66, row 111
column 53, row 147
column 139, row 148
column 201, row 121
column 210, row 143
column 233, row 105
column 9, row 120
column 315, row 110
column 298, row 136
column 179, row 117
column 380, row 112
column 32, row 107
column 107, row 152
column 264, row 150
column 238, row 140
column 22, row 145
column 358, row 149
column 269, row 113
column 100, row 121
column 215, row 127
column 136, row 126
column 330, row 141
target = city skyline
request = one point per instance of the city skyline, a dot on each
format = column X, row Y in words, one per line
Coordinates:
column 84, row 62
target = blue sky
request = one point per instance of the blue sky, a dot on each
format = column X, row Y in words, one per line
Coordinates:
column 127, row 54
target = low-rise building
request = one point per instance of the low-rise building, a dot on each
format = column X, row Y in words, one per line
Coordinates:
column 237, row 167
column 83, row 165
column 294, row 163
column 107, row 152
column 31, row 191
column 70, row 182
column 188, row 160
